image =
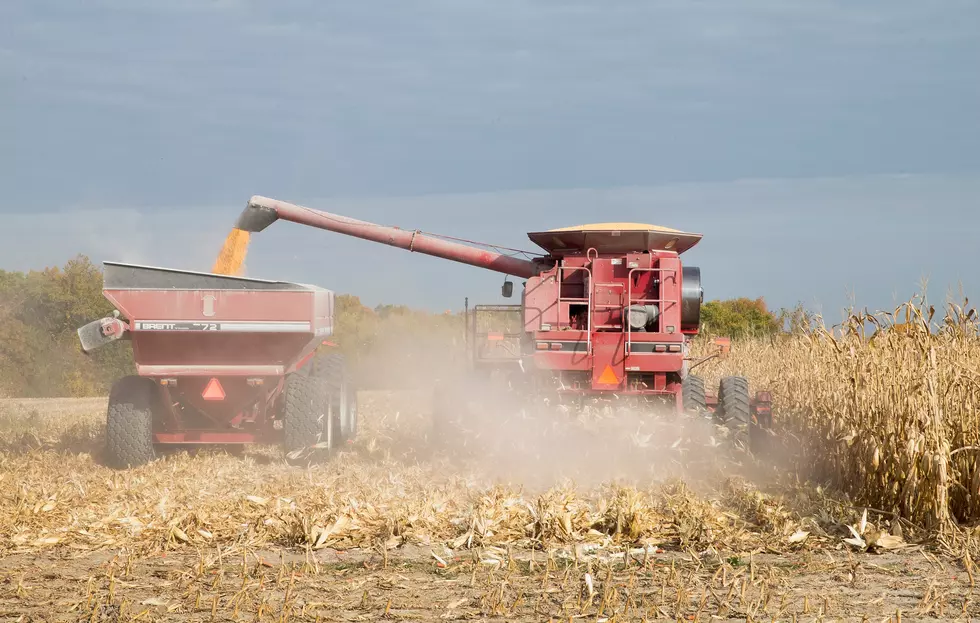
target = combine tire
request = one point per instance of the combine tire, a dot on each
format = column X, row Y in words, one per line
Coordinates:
column 693, row 395
column 304, row 414
column 331, row 371
column 129, row 422
column 734, row 406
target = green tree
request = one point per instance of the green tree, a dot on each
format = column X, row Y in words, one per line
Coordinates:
column 39, row 313
column 740, row 317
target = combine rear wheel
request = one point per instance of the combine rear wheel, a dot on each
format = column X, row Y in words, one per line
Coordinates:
column 693, row 395
column 129, row 422
column 734, row 408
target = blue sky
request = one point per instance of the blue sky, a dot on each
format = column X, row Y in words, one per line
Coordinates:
column 823, row 148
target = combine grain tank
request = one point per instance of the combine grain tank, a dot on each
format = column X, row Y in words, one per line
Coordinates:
column 220, row 360
column 608, row 311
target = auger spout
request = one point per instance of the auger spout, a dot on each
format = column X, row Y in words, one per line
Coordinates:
column 263, row 211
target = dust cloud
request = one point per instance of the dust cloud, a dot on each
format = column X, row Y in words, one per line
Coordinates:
column 488, row 428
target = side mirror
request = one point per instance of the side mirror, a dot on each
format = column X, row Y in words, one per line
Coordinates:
column 507, row 290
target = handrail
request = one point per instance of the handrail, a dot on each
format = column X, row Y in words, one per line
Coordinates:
column 588, row 328
column 630, row 301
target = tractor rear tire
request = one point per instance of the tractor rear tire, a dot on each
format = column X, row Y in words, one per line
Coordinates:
column 734, row 406
column 693, row 395
column 129, row 422
column 331, row 370
column 305, row 414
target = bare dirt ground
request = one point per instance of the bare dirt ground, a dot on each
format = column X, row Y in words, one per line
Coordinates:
column 394, row 530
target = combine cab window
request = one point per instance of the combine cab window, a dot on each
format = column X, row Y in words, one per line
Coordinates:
column 495, row 333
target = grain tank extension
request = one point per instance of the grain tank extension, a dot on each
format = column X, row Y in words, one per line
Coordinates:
column 607, row 310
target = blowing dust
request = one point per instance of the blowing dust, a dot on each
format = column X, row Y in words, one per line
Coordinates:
column 231, row 259
column 497, row 434
column 539, row 443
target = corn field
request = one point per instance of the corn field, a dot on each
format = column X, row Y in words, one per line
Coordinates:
column 883, row 406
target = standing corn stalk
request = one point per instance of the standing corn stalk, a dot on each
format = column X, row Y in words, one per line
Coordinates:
column 889, row 417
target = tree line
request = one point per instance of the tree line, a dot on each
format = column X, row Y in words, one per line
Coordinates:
column 40, row 312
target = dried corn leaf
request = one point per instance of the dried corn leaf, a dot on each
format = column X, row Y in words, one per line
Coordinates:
column 890, row 542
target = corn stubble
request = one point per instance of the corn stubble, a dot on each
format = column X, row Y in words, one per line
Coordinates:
column 56, row 499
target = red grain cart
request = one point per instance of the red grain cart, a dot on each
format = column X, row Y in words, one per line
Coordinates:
column 221, row 360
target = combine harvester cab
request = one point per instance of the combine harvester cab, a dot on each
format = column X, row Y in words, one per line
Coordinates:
column 607, row 312
column 220, row 360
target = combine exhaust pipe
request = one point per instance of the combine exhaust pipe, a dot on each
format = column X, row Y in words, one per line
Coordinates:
column 262, row 212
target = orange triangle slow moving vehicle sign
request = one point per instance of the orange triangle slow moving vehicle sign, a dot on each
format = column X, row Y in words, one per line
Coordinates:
column 609, row 377
column 213, row 391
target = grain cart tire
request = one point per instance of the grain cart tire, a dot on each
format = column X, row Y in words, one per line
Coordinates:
column 693, row 395
column 331, row 370
column 348, row 432
column 129, row 422
column 734, row 408
column 305, row 414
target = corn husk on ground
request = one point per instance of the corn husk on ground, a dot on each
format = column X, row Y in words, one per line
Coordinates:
column 55, row 494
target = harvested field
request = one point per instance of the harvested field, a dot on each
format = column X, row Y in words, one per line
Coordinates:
column 391, row 529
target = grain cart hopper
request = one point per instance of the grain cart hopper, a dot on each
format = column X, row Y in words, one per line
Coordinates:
column 220, row 360
column 607, row 310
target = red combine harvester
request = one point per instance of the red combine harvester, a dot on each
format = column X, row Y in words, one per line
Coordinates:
column 607, row 311
column 220, row 360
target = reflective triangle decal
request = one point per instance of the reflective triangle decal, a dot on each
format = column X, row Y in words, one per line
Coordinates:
column 609, row 377
column 214, row 391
